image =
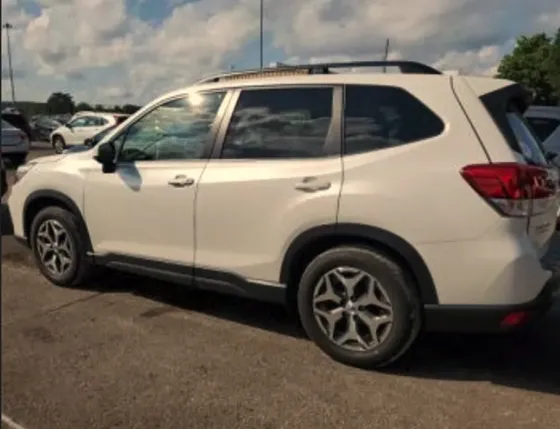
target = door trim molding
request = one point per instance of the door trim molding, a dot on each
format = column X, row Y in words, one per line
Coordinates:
column 197, row 277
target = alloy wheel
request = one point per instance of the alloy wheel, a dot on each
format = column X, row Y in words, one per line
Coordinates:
column 352, row 309
column 54, row 247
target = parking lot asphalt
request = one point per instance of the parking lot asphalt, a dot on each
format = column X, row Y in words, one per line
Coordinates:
column 134, row 353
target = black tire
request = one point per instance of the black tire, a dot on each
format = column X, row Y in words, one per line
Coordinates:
column 402, row 294
column 81, row 267
column 17, row 159
column 58, row 144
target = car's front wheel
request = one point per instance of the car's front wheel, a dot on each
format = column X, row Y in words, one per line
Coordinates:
column 58, row 144
column 359, row 306
column 59, row 248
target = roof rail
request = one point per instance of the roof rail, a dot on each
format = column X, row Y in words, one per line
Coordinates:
column 405, row 67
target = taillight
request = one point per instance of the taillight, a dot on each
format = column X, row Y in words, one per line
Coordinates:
column 512, row 188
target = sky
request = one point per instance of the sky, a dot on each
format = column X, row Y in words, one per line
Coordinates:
column 131, row 51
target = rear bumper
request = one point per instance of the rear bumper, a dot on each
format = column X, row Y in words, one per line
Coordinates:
column 491, row 318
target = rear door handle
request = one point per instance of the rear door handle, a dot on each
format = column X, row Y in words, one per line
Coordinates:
column 180, row 181
column 312, row 184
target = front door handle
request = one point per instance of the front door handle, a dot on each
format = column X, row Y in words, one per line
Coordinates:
column 312, row 184
column 180, row 181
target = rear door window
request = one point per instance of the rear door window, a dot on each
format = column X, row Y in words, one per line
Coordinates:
column 380, row 117
column 279, row 123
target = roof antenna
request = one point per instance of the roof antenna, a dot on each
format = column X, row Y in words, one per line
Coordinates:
column 385, row 58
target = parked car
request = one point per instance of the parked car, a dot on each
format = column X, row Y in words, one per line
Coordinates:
column 91, row 141
column 81, row 127
column 42, row 127
column 19, row 121
column 15, row 144
column 545, row 121
column 375, row 205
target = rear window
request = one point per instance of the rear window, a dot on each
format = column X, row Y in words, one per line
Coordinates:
column 543, row 127
column 505, row 106
column 380, row 117
column 528, row 142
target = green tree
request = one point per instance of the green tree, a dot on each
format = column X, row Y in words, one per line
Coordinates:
column 99, row 108
column 60, row 103
column 554, row 66
column 130, row 109
column 531, row 64
column 117, row 108
column 81, row 106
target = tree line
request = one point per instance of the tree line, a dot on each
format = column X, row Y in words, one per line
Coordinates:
column 61, row 103
column 535, row 63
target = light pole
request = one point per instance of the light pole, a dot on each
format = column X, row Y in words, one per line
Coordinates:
column 7, row 26
column 261, row 31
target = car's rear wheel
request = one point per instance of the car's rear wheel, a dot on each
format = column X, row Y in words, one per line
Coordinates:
column 359, row 306
column 58, row 144
column 59, row 248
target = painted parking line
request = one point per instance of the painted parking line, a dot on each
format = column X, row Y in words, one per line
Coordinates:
column 11, row 423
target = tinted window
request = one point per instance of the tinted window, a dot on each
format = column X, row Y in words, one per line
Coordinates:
column 543, row 127
column 100, row 122
column 177, row 129
column 279, row 123
column 79, row 122
column 379, row 117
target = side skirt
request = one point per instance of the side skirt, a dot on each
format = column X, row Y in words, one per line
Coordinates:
column 196, row 277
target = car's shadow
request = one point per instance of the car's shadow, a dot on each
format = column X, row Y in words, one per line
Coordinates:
column 528, row 360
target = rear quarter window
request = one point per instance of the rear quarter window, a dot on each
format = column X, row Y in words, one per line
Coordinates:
column 380, row 117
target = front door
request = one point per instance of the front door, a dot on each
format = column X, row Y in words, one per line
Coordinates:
column 146, row 208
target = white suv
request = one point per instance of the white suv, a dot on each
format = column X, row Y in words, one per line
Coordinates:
column 81, row 127
column 373, row 204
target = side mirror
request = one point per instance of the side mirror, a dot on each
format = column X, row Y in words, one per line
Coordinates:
column 88, row 142
column 68, row 125
column 106, row 157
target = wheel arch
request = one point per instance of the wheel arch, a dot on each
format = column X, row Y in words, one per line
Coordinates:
column 41, row 199
column 314, row 241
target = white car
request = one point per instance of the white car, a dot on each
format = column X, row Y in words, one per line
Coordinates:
column 374, row 205
column 81, row 127
column 15, row 144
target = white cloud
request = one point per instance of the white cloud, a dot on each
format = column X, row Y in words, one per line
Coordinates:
column 100, row 52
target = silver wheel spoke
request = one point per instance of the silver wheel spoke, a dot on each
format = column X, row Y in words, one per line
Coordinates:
column 370, row 297
column 328, row 295
column 373, row 324
column 330, row 318
column 352, row 334
column 349, row 283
